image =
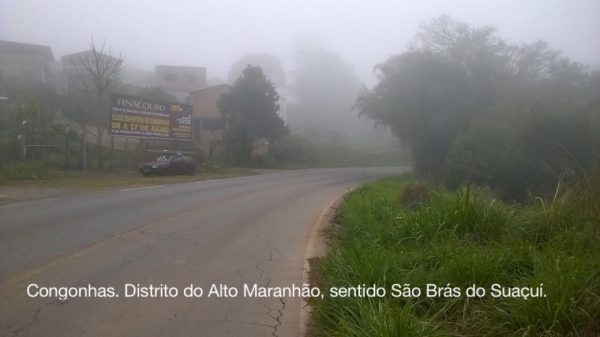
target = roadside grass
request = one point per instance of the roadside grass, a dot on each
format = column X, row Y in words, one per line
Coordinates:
column 37, row 175
column 460, row 239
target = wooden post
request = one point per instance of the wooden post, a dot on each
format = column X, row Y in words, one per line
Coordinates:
column 112, row 152
column 84, row 149
column 67, row 151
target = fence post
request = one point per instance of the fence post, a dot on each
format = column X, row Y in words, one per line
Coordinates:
column 67, row 151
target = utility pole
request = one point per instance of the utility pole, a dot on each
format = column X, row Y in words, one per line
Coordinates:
column 67, row 149
column 596, row 140
column 24, row 141
column 84, row 145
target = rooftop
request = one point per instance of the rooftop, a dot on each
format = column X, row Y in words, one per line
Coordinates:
column 9, row 47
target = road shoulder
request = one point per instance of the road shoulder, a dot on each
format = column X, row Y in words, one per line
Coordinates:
column 317, row 248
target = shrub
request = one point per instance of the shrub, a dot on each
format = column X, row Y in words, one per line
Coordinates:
column 19, row 171
column 414, row 195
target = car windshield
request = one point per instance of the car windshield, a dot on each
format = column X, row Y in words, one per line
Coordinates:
column 164, row 157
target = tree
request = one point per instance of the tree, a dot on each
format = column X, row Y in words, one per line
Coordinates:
column 92, row 77
column 28, row 114
column 425, row 99
column 533, row 117
column 486, row 57
column 325, row 88
column 456, row 74
column 270, row 64
column 250, row 108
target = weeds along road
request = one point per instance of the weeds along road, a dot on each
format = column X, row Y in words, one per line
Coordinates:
column 250, row 230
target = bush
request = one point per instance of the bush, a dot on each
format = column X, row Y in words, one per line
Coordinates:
column 526, row 154
column 414, row 195
column 488, row 155
column 19, row 171
column 293, row 150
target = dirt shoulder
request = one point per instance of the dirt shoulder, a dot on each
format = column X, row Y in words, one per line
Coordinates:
column 12, row 194
column 60, row 183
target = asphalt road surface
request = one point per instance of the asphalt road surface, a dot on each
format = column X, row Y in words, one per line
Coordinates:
column 247, row 230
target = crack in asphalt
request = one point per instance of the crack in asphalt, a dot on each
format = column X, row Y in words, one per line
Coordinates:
column 127, row 260
column 279, row 311
column 34, row 319
column 261, row 271
column 275, row 314
column 278, row 317
column 80, row 282
column 226, row 318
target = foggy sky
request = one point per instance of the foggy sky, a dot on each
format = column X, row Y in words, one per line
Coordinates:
column 214, row 34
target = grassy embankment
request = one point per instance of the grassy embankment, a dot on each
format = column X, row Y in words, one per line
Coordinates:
column 392, row 233
column 37, row 175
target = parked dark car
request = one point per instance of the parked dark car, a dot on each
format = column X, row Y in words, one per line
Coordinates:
column 169, row 163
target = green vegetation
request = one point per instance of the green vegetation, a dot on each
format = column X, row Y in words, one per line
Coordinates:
column 37, row 174
column 475, row 108
column 402, row 231
column 250, row 108
column 23, row 171
column 296, row 151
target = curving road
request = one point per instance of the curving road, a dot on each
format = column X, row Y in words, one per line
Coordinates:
column 251, row 230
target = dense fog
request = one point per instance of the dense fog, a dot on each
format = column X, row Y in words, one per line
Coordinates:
column 320, row 56
column 216, row 34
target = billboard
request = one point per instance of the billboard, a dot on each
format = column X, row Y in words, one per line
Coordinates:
column 140, row 117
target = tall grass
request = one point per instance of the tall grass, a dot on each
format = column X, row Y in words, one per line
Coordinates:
column 464, row 238
column 22, row 171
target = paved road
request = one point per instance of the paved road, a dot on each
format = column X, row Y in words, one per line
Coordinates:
column 251, row 230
